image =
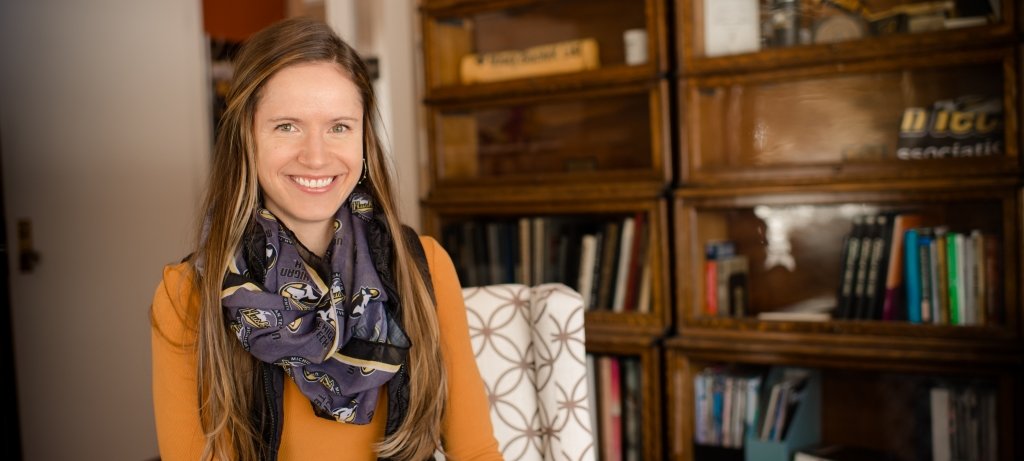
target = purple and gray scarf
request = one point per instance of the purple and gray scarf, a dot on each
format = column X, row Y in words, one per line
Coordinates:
column 334, row 337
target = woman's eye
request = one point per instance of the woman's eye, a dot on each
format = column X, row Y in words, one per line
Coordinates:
column 286, row 127
column 339, row 128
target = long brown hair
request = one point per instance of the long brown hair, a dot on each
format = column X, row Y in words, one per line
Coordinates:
column 226, row 373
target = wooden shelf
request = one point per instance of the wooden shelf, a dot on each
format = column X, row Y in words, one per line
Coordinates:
column 871, row 48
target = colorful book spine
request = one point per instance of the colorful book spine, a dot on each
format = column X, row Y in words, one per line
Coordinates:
column 953, row 278
column 926, row 265
column 912, row 275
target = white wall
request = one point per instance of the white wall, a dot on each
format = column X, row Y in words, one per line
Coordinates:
column 105, row 146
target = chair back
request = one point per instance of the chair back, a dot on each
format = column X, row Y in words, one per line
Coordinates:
column 530, row 349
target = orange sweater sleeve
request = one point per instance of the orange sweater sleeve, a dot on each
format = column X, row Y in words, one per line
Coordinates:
column 175, row 392
column 467, row 430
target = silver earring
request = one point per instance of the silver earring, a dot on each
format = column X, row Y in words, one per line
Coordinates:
column 365, row 172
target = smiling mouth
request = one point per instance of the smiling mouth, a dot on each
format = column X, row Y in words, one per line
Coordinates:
column 313, row 183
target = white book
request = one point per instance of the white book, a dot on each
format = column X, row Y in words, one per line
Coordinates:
column 622, row 271
column 940, row 424
column 739, row 412
column 768, row 418
column 588, row 254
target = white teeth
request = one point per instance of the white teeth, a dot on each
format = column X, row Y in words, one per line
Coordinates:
column 314, row 183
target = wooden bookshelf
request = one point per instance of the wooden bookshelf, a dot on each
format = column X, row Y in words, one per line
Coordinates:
column 789, row 139
column 784, row 143
column 571, row 152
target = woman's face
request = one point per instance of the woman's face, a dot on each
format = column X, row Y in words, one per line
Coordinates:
column 309, row 143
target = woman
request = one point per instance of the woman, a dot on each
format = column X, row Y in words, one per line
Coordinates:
column 304, row 325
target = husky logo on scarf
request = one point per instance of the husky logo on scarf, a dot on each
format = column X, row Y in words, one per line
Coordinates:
column 323, row 378
column 257, row 318
column 303, row 296
column 345, row 414
column 361, row 299
column 325, row 316
column 337, row 290
column 293, row 361
column 271, row 256
column 361, row 205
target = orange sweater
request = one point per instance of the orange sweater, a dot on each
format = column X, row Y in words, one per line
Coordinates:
column 467, row 430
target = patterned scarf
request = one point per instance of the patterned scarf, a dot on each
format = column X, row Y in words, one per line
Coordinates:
column 334, row 338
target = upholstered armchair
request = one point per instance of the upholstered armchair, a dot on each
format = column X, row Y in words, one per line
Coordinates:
column 529, row 345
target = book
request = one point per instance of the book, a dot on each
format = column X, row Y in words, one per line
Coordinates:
column 554, row 58
column 525, row 252
column 912, row 275
column 637, row 259
column 768, row 417
column 863, row 262
column 962, row 260
column 893, row 296
column 993, row 275
column 809, row 310
column 492, row 240
column 610, row 404
column 941, row 287
column 739, row 267
column 700, row 407
column 978, row 277
column 848, row 268
column 609, row 262
column 588, row 253
column 926, row 274
column 643, row 298
column 713, row 252
column 632, row 409
column 953, row 275
column 537, row 242
column 593, row 397
column 941, row 443
column 596, row 276
column 753, row 389
column 623, row 264
column 878, row 267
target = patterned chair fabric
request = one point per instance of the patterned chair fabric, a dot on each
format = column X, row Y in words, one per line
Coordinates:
column 529, row 346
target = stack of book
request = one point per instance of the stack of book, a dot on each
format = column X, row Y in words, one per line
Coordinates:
column 964, row 424
column 725, row 280
column 616, row 406
column 895, row 267
column 725, row 406
column 604, row 259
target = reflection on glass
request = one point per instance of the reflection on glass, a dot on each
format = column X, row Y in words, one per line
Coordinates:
column 787, row 23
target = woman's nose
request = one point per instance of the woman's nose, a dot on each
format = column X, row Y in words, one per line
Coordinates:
column 314, row 152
